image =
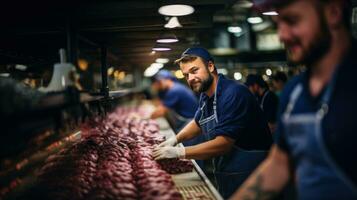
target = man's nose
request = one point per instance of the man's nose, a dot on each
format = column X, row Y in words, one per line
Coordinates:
column 284, row 32
column 190, row 77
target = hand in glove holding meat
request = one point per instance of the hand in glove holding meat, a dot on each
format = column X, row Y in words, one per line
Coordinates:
column 168, row 152
column 172, row 141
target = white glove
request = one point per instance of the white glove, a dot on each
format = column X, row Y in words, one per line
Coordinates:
column 172, row 141
column 169, row 152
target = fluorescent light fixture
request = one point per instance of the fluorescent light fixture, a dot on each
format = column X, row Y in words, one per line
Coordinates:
column 157, row 65
column 21, row 67
column 255, row 20
column 237, row 76
column 167, row 38
column 176, row 10
column 4, row 74
column 159, row 47
column 162, row 60
column 245, row 4
column 270, row 13
column 173, row 23
column 234, row 29
column 268, row 72
column 150, row 71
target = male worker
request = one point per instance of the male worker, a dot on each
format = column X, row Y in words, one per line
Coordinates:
column 176, row 99
column 228, row 116
column 279, row 80
column 268, row 101
column 317, row 124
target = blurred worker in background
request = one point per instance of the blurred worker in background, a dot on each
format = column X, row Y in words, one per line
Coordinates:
column 268, row 101
column 229, row 117
column 279, row 80
column 316, row 133
column 176, row 100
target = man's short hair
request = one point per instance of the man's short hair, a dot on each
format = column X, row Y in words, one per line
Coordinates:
column 255, row 79
column 280, row 76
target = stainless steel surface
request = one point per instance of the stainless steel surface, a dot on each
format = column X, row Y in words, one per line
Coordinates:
column 192, row 185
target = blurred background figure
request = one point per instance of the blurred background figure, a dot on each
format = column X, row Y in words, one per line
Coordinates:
column 268, row 101
column 176, row 101
column 279, row 80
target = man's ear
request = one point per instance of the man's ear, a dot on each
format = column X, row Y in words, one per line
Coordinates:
column 211, row 66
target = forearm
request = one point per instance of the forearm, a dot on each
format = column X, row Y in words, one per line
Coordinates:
column 190, row 131
column 160, row 111
column 219, row 146
column 268, row 180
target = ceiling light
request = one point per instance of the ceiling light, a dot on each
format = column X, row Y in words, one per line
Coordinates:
column 167, row 38
column 179, row 74
column 110, row 71
column 270, row 13
column 255, row 20
column 159, row 47
column 150, row 71
column 173, row 23
column 157, row 65
column 234, row 29
column 237, row 76
column 268, row 72
column 4, row 74
column 244, row 4
column 176, row 10
column 21, row 67
column 162, row 60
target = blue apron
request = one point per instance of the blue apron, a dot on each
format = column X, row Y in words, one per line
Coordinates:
column 318, row 177
column 229, row 170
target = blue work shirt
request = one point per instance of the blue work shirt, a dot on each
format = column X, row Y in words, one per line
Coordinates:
column 180, row 99
column 339, row 126
column 239, row 115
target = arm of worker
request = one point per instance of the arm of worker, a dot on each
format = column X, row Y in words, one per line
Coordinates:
column 218, row 146
column 268, row 179
column 188, row 132
column 160, row 111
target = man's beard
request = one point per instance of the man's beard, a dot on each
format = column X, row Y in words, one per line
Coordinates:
column 318, row 47
column 205, row 84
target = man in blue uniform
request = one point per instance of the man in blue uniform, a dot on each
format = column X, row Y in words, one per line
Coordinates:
column 268, row 100
column 228, row 116
column 176, row 99
column 317, row 124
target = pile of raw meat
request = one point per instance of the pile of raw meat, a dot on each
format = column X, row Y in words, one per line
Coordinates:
column 112, row 161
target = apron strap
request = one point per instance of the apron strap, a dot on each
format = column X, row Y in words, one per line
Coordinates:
column 293, row 98
column 263, row 99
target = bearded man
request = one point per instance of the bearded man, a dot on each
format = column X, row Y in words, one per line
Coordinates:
column 237, row 134
column 316, row 133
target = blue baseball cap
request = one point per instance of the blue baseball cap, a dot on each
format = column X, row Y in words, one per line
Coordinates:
column 197, row 51
column 164, row 74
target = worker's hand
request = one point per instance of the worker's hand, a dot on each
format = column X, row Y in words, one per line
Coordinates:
column 172, row 141
column 168, row 152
